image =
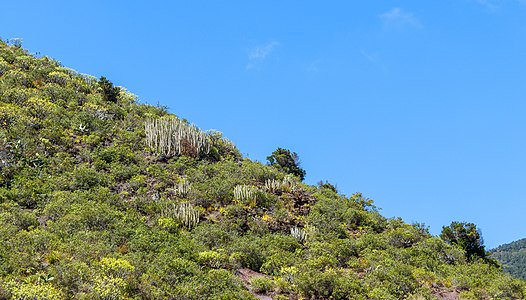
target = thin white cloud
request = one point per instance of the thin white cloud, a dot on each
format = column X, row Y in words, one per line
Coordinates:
column 497, row 5
column 398, row 17
column 489, row 4
column 262, row 51
column 313, row 66
column 370, row 57
column 258, row 54
column 374, row 59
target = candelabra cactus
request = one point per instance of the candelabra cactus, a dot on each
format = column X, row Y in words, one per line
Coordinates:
column 184, row 214
column 246, row 194
column 288, row 185
column 299, row 234
column 272, row 185
column 182, row 188
column 173, row 136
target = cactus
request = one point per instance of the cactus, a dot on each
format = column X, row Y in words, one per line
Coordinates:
column 182, row 188
column 229, row 144
column 288, row 185
column 184, row 213
column 246, row 194
column 172, row 136
column 272, row 185
column 299, row 234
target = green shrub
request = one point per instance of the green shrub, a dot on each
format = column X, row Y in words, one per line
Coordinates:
column 35, row 291
column 262, row 284
column 329, row 284
column 107, row 287
column 277, row 261
column 212, row 236
column 172, row 270
column 213, row 259
column 85, row 178
column 71, row 274
column 116, row 267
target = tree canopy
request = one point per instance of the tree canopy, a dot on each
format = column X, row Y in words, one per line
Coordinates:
column 467, row 236
column 287, row 162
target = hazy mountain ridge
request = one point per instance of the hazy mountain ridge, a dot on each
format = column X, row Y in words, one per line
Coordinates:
column 105, row 198
column 512, row 257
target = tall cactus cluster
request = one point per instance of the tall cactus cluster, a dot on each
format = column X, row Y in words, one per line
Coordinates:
column 182, row 188
column 246, row 194
column 183, row 213
column 272, row 185
column 299, row 234
column 229, row 144
column 173, row 136
column 288, row 184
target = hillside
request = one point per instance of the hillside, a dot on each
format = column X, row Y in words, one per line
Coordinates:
column 512, row 257
column 105, row 198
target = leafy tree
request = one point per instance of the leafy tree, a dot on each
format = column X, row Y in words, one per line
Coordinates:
column 467, row 237
column 287, row 161
column 109, row 91
column 327, row 185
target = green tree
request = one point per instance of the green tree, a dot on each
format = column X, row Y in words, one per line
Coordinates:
column 287, row 161
column 109, row 91
column 466, row 236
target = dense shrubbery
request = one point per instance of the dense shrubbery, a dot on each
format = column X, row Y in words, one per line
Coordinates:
column 89, row 211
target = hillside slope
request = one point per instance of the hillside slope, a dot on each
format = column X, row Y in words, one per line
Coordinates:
column 512, row 257
column 105, row 198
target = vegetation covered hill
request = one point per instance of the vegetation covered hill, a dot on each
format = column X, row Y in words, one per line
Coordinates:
column 105, row 198
column 512, row 257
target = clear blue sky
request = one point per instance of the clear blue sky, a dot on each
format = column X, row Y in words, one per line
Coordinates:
column 420, row 105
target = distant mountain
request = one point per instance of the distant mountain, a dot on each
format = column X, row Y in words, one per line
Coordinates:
column 512, row 257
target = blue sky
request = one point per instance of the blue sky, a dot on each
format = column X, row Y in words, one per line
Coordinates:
column 417, row 104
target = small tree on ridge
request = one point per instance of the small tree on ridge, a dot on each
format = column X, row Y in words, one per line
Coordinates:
column 286, row 161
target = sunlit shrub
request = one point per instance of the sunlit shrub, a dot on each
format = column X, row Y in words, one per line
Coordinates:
column 262, row 284
column 329, row 284
column 35, row 291
column 213, row 259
